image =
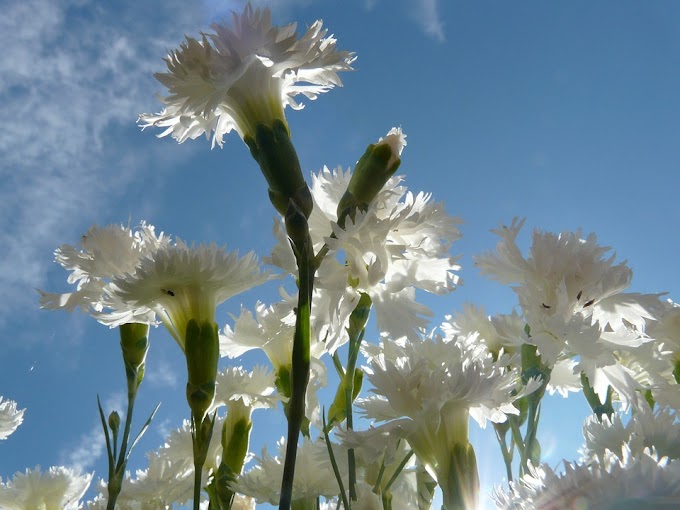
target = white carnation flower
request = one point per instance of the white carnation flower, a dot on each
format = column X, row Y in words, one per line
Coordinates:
column 313, row 473
column 255, row 390
column 241, row 75
column 658, row 431
column 103, row 254
column 272, row 329
column 10, row 418
column 427, row 390
column 181, row 283
column 178, row 448
column 644, row 482
column 571, row 295
column 58, row 488
column 163, row 483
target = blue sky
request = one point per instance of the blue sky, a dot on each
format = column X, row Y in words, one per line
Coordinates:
column 563, row 112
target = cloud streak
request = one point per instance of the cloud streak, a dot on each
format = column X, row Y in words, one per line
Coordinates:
column 70, row 80
column 425, row 13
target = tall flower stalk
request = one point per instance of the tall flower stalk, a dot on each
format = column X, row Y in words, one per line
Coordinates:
column 134, row 343
column 241, row 78
column 183, row 285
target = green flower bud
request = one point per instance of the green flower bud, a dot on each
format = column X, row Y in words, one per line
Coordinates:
column 360, row 315
column 273, row 150
column 235, row 440
column 337, row 412
column 371, row 173
column 114, row 423
column 134, row 342
column 202, row 352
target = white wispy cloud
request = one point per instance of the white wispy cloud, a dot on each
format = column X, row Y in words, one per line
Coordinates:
column 425, row 13
column 162, row 374
column 73, row 76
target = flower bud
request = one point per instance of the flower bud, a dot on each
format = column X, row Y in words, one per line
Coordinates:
column 371, row 173
column 360, row 315
column 337, row 412
column 202, row 352
column 235, row 441
column 114, row 423
column 134, row 342
column 274, row 152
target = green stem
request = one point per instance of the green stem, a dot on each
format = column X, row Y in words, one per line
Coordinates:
column 505, row 451
column 352, row 356
column 530, row 437
column 132, row 397
column 397, row 471
column 202, row 430
column 334, row 464
column 516, row 432
column 198, row 471
column 593, row 399
column 300, row 363
column 116, row 475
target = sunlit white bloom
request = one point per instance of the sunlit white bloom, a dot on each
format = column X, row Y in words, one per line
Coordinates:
column 664, row 369
column 630, row 482
column 646, row 368
column 181, row 283
column 645, row 429
column 169, row 477
column 10, row 417
column 379, row 453
column 254, row 390
column 271, row 329
column 571, row 296
column 313, row 473
column 506, row 332
column 178, row 448
column 59, row 488
column 163, row 483
column 242, row 502
column 666, row 327
column 427, row 390
column 564, row 379
column 398, row 244
column 396, row 139
column 366, row 498
column 373, row 445
column 103, row 254
column 242, row 75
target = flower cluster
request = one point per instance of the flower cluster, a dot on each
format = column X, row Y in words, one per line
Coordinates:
column 574, row 306
column 357, row 241
column 427, row 390
column 631, row 482
column 399, row 244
